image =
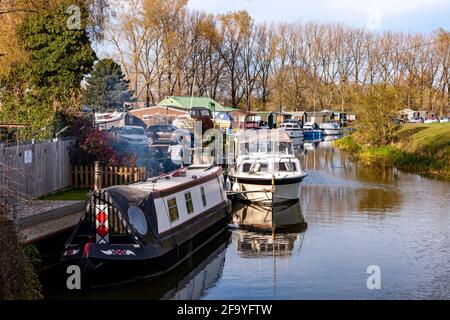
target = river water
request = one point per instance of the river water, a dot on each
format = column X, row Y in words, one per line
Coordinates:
column 357, row 216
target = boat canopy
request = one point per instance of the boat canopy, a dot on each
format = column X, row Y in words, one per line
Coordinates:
column 261, row 136
column 263, row 142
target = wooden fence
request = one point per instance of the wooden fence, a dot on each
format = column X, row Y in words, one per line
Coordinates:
column 82, row 177
column 34, row 170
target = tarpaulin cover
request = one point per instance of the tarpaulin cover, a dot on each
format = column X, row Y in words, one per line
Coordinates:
column 124, row 197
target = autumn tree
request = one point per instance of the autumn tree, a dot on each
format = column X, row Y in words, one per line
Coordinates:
column 376, row 108
column 47, row 82
column 167, row 49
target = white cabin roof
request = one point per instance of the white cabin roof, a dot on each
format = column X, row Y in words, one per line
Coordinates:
column 261, row 136
column 173, row 180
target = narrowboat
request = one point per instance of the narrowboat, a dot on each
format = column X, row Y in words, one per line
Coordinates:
column 155, row 224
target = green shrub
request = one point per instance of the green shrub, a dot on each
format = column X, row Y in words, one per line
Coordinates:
column 348, row 144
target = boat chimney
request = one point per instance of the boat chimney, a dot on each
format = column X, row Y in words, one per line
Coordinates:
column 97, row 176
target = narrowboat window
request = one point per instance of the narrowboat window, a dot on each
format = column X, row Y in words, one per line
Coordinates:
column 173, row 209
column 202, row 190
column 137, row 220
column 189, row 204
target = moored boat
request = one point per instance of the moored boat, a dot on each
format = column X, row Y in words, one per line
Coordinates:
column 331, row 129
column 266, row 170
column 311, row 131
column 155, row 224
column 293, row 130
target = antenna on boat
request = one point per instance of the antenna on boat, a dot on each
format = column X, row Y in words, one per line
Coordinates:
column 192, row 90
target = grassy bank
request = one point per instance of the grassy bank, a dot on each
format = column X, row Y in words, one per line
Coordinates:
column 68, row 195
column 422, row 149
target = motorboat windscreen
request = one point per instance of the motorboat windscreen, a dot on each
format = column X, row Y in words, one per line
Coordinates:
column 264, row 142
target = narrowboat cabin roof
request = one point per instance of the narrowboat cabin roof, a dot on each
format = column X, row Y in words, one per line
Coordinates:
column 176, row 181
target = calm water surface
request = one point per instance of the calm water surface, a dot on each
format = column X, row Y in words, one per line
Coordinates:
column 357, row 216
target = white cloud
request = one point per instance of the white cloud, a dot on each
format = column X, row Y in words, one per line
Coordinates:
column 387, row 7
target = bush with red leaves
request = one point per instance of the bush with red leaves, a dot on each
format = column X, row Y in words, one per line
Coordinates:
column 92, row 145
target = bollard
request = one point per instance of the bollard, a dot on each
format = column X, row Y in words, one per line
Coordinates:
column 97, row 176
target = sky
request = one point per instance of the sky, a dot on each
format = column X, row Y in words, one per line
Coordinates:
column 377, row 15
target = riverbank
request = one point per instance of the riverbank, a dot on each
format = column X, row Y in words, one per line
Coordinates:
column 420, row 148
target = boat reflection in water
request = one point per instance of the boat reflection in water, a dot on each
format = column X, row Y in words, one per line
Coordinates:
column 287, row 217
column 330, row 138
column 202, row 277
column 253, row 241
column 255, row 244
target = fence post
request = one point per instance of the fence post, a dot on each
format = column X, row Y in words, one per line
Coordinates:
column 15, row 217
column 97, row 176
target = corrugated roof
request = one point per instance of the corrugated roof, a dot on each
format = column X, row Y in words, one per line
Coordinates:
column 188, row 102
column 226, row 109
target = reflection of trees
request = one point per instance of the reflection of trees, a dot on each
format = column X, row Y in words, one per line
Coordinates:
column 338, row 201
column 362, row 187
column 375, row 173
column 378, row 200
column 325, row 158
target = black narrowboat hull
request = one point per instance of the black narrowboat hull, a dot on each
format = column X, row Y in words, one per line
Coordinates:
column 108, row 262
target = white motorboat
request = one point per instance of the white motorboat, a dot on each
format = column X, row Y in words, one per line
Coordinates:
column 294, row 130
column 266, row 170
column 109, row 117
column 331, row 129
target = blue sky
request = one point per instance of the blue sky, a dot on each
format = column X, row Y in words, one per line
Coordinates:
column 397, row 15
